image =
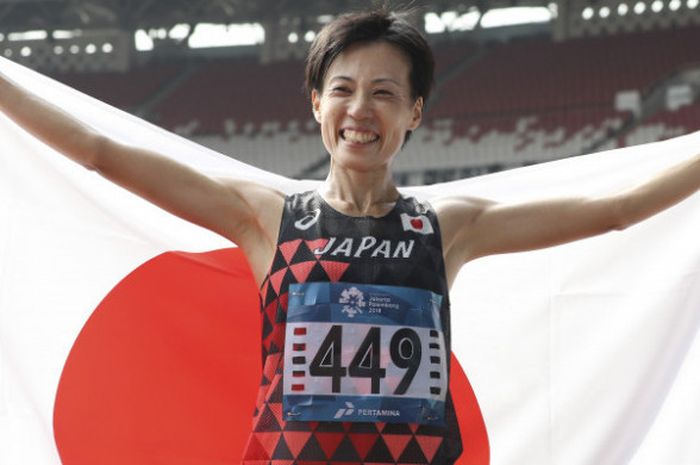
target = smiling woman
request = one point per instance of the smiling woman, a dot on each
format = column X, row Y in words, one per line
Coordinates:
column 360, row 361
column 366, row 108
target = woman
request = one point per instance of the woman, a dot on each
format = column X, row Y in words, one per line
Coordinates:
column 354, row 277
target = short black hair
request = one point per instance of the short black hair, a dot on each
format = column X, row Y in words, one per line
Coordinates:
column 379, row 25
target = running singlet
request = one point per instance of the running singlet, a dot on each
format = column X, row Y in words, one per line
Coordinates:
column 355, row 341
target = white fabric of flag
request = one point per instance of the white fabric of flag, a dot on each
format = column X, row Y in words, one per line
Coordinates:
column 582, row 354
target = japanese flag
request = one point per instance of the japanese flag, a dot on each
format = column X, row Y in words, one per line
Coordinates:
column 420, row 224
column 130, row 336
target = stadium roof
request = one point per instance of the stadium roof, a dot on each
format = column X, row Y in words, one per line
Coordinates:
column 16, row 15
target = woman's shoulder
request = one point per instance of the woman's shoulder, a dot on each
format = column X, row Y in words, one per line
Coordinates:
column 459, row 205
column 446, row 205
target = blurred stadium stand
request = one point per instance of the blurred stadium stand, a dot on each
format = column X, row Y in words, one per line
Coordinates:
column 591, row 78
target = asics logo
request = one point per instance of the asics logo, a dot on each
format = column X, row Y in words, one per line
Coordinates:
column 308, row 220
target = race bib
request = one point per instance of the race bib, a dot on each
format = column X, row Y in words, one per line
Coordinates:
column 364, row 353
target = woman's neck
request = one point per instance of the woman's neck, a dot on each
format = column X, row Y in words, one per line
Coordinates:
column 357, row 193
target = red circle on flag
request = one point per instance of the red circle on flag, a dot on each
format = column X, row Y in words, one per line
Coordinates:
column 417, row 223
column 167, row 367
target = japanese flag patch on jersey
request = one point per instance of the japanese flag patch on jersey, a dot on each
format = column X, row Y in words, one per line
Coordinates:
column 420, row 224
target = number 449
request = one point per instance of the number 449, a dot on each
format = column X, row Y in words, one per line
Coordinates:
column 405, row 350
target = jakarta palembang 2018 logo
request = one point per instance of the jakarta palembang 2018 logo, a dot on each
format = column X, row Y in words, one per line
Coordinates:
column 354, row 301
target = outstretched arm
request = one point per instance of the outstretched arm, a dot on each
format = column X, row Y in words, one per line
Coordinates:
column 474, row 228
column 246, row 213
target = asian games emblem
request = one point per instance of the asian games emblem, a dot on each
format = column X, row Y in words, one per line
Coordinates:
column 354, row 301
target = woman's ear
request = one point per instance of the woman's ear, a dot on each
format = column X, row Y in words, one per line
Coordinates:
column 417, row 116
column 316, row 105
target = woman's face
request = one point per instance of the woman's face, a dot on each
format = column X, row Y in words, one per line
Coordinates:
column 366, row 106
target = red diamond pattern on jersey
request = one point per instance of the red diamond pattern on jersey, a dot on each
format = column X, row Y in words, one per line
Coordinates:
column 276, row 441
column 288, row 249
column 301, row 270
column 319, row 446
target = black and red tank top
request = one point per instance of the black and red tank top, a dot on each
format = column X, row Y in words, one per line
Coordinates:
column 355, row 340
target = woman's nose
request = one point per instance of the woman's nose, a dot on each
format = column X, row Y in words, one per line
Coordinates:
column 361, row 106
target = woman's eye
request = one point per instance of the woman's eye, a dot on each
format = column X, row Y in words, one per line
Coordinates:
column 383, row 92
column 340, row 89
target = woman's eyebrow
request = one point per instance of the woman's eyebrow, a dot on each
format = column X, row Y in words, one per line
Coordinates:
column 341, row 78
column 383, row 80
column 379, row 80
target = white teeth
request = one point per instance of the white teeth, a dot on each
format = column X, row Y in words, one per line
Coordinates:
column 359, row 137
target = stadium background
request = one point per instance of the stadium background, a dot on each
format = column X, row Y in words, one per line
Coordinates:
column 547, row 80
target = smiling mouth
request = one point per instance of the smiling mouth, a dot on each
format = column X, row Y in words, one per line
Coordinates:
column 358, row 137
